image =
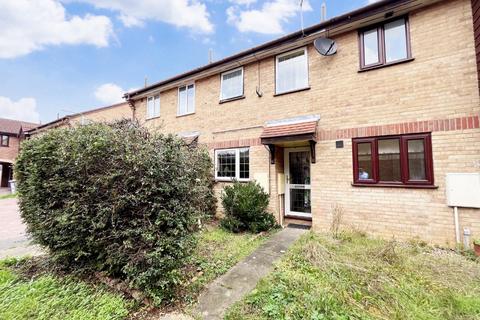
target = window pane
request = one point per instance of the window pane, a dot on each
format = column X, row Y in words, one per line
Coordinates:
column 416, row 160
column 364, row 160
column 191, row 99
column 299, row 167
column 4, row 141
column 226, row 164
column 292, row 72
column 182, row 100
column 244, row 164
column 149, row 107
column 370, row 47
column 156, row 108
column 389, row 160
column 395, row 41
column 232, row 84
column 300, row 200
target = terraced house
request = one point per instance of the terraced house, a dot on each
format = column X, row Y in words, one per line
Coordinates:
column 373, row 129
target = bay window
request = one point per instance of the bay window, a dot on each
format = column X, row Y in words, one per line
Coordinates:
column 393, row 160
column 232, row 164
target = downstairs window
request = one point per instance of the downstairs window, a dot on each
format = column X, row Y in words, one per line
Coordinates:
column 232, row 164
column 395, row 160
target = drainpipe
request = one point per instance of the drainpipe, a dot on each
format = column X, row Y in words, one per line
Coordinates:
column 457, row 225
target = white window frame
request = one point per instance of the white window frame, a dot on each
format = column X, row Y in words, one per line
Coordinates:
column 305, row 52
column 221, row 84
column 178, row 98
column 159, row 106
column 237, row 165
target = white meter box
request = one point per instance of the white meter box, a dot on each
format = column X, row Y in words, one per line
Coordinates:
column 463, row 190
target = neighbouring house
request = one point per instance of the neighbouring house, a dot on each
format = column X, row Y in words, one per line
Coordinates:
column 104, row 114
column 12, row 132
column 373, row 129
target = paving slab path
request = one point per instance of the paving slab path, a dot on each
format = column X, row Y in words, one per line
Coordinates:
column 243, row 277
column 13, row 238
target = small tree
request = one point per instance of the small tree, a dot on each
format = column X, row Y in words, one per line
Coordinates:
column 245, row 206
column 117, row 199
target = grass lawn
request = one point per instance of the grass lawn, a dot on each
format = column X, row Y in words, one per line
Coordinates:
column 8, row 196
column 47, row 296
column 355, row 277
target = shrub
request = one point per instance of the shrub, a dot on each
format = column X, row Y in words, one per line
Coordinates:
column 245, row 207
column 117, row 199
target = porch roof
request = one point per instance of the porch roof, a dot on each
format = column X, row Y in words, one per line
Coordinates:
column 302, row 128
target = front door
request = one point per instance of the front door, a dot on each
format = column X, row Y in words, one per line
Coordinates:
column 297, row 183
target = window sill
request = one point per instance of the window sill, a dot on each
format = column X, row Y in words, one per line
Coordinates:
column 231, row 99
column 388, row 185
column 231, row 180
column 151, row 118
column 184, row 115
column 291, row 91
column 386, row 65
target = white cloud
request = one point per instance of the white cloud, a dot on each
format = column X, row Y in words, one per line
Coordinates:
column 25, row 109
column 268, row 19
column 243, row 2
column 181, row 13
column 109, row 93
column 27, row 26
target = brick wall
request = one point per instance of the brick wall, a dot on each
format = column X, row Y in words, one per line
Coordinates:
column 8, row 154
column 436, row 92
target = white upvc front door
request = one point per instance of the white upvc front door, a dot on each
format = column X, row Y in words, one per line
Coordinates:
column 297, row 183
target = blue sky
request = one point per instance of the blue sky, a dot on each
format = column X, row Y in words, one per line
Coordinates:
column 64, row 56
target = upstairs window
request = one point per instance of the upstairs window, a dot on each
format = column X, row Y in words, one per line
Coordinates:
column 153, row 107
column 186, row 100
column 232, row 84
column 232, row 164
column 291, row 71
column 385, row 44
column 4, row 140
column 397, row 160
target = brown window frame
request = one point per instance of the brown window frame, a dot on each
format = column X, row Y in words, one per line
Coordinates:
column 404, row 168
column 381, row 44
column 1, row 140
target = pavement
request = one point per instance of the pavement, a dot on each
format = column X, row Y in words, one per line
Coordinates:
column 243, row 277
column 13, row 237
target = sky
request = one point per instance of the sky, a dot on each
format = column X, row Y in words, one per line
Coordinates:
column 59, row 57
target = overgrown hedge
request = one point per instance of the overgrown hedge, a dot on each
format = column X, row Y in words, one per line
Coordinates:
column 117, row 199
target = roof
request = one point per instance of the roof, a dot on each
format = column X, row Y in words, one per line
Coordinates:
column 67, row 118
column 14, row 126
column 290, row 127
column 352, row 16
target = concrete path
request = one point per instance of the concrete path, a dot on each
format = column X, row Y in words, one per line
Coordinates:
column 243, row 277
column 13, row 238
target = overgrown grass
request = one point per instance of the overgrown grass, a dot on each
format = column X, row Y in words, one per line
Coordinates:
column 48, row 298
column 354, row 277
column 217, row 251
column 8, row 196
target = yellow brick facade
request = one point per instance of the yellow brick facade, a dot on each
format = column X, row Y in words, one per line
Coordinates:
column 439, row 84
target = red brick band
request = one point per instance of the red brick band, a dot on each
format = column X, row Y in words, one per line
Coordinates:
column 461, row 123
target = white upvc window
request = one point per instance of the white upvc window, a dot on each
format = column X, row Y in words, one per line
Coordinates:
column 231, row 84
column 232, row 164
column 186, row 99
column 153, row 107
column 291, row 71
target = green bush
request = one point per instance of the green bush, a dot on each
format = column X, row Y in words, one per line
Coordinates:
column 117, row 199
column 245, row 206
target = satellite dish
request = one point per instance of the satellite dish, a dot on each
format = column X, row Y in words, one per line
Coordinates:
column 325, row 46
